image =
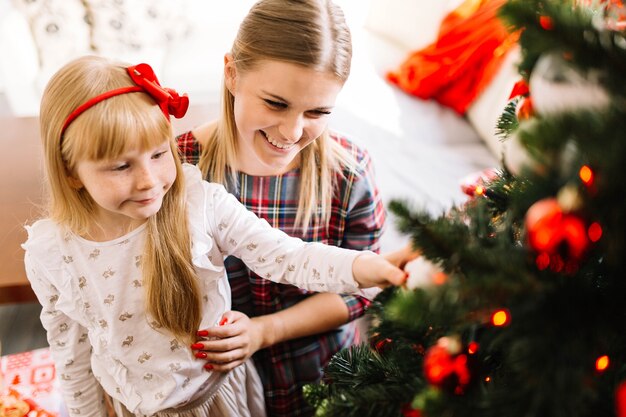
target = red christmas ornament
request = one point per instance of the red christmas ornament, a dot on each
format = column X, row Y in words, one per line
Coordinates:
column 445, row 370
column 542, row 222
column 408, row 411
column 553, row 232
column 574, row 233
column 620, row 399
column 474, row 184
column 524, row 109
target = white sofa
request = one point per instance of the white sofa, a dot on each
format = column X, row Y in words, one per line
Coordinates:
column 422, row 150
column 398, row 27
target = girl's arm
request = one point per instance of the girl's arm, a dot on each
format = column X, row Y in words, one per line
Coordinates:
column 69, row 345
column 274, row 255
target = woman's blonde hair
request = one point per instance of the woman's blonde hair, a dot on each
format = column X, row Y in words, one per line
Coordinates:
column 309, row 33
column 105, row 131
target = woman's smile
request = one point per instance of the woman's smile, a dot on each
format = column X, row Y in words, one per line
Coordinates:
column 277, row 144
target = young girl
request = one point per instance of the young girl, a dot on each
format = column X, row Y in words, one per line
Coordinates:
column 271, row 148
column 129, row 264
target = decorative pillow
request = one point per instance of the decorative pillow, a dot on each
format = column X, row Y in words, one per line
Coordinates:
column 59, row 31
column 409, row 24
column 127, row 30
column 453, row 70
column 131, row 29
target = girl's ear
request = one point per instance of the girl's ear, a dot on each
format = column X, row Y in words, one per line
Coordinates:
column 230, row 73
column 74, row 181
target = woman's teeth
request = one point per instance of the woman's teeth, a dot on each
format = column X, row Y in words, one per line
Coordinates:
column 276, row 143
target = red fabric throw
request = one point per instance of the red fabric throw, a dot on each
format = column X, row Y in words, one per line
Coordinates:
column 455, row 69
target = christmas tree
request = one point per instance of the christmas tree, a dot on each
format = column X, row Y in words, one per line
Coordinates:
column 525, row 310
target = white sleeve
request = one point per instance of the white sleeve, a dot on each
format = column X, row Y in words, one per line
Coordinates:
column 69, row 346
column 271, row 253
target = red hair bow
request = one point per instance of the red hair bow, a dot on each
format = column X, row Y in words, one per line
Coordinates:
column 146, row 82
column 168, row 100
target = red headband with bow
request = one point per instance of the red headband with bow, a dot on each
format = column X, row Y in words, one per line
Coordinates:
column 146, row 81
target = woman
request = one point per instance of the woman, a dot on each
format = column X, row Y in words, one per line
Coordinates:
column 272, row 149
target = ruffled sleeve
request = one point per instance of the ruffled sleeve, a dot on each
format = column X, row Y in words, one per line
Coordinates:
column 68, row 339
column 203, row 253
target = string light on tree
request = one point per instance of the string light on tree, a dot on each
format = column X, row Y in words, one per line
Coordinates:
column 546, row 22
column 602, row 363
column 586, row 175
column 594, row 232
column 501, row 318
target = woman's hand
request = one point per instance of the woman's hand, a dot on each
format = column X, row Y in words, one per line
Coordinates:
column 231, row 343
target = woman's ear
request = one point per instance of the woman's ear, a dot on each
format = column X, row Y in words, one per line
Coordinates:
column 230, row 73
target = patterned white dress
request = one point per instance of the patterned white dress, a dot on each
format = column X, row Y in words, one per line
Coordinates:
column 93, row 302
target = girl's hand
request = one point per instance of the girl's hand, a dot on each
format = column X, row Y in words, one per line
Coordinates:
column 238, row 338
column 402, row 256
column 371, row 270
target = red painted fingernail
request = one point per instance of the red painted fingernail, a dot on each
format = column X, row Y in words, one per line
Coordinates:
column 200, row 355
column 208, row 366
column 223, row 321
column 197, row 346
column 202, row 333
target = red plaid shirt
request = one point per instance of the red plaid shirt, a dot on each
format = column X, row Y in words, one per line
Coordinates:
column 356, row 222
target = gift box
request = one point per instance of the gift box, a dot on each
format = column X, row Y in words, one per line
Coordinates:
column 28, row 385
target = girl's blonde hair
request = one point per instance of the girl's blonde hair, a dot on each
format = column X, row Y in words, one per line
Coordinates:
column 106, row 131
column 309, row 33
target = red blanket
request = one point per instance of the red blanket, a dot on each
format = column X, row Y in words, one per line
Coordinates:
column 455, row 69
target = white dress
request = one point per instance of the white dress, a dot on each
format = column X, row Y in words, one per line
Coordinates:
column 93, row 302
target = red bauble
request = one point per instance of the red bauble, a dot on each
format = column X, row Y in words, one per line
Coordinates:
column 574, row 233
column 542, row 224
column 445, row 370
column 408, row 411
column 620, row 400
column 553, row 232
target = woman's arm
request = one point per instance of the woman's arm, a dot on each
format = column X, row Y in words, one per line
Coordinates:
column 240, row 336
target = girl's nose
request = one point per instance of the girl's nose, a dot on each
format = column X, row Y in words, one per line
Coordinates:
column 291, row 128
column 145, row 178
